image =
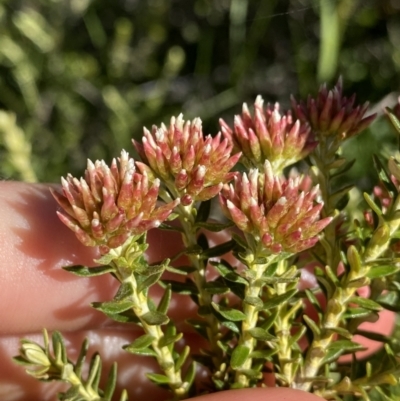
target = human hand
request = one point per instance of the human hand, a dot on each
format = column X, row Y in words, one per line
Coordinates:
column 37, row 293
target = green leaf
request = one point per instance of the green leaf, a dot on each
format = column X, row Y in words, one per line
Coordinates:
column 203, row 212
column 313, row 300
column 167, row 227
column 263, row 354
column 260, row 334
column 111, row 383
column 182, row 358
column 270, row 320
column 355, row 313
column 81, row 358
column 190, row 374
column 218, row 250
column 341, row 331
column 186, row 288
column 157, row 378
column 384, row 176
column 346, row 345
column 165, row 301
column 127, row 316
column 113, row 307
column 279, row 299
column 169, row 339
column 382, row 271
column 229, row 313
column 84, row 271
column 366, row 303
column 372, row 204
column 354, row 259
column 231, row 326
column 313, row 326
column 141, row 351
column 155, row 318
column 213, row 227
column 148, row 282
column 147, row 270
column 239, row 356
column 141, row 342
column 340, row 196
column 254, row 301
column 199, row 325
column 393, row 119
column 228, row 272
column 216, row 287
column 60, row 352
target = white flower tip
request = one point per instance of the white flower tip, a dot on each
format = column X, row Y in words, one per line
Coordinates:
column 282, row 201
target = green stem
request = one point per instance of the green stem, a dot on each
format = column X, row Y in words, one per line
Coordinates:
column 253, row 290
column 283, row 325
column 164, row 355
column 204, row 298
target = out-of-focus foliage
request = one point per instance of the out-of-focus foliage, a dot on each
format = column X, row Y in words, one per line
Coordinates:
column 84, row 76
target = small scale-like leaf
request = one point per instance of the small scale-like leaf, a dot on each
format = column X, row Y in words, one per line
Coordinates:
column 278, row 300
column 313, row 300
column 182, row 358
column 260, row 334
column 213, row 227
column 218, row 250
column 168, row 227
column 216, row 287
column 366, row 303
column 354, row 259
column 346, row 345
column 113, row 307
column 231, row 326
column 372, row 204
column 141, row 342
column 393, row 119
column 384, row 176
column 199, row 325
column 158, row 378
column 165, row 301
column 141, row 352
column 341, row 331
column 239, row 356
column 149, row 281
column 228, row 272
column 263, row 354
column 169, row 339
column 339, row 195
column 155, row 318
column 229, row 313
column 203, row 212
column 190, row 374
column 313, row 326
column 186, row 288
column 382, row 271
column 254, row 301
column 84, row 271
column 111, row 383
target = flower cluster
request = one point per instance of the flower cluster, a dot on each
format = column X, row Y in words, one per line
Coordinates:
column 268, row 135
column 110, row 204
column 192, row 166
column 331, row 113
column 274, row 210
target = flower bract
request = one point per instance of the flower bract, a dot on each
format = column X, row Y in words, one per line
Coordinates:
column 274, row 210
column 192, row 166
column 269, row 135
column 111, row 204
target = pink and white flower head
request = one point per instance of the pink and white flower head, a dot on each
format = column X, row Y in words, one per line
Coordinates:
column 332, row 114
column 193, row 166
column 274, row 210
column 110, row 204
column 269, row 135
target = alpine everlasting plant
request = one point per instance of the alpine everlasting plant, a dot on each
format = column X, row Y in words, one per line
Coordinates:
column 273, row 227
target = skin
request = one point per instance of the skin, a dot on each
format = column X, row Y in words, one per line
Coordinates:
column 37, row 293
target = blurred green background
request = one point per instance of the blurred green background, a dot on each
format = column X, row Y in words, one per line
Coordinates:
column 83, row 77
